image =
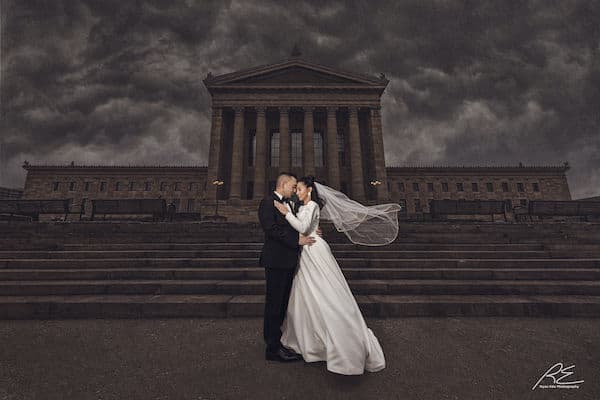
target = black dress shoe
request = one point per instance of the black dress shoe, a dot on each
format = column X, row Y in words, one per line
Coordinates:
column 291, row 352
column 281, row 355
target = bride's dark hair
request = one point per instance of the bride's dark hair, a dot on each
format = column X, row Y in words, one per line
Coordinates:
column 309, row 182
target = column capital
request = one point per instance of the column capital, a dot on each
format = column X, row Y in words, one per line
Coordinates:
column 331, row 109
column 308, row 108
column 375, row 108
column 353, row 110
column 216, row 111
column 260, row 109
column 284, row 109
column 238, row 109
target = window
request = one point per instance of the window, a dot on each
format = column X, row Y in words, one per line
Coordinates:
column 190, row 186
column 190, row 205
column 249, row 189
column 523, row 202
column 103, row 186
column 56, row 185
column 117, row 186
column 445, row 186
column 459, row 187
column 177, row 186
column 415, row 186
column 131, row 185
column 341, row 152
column 418, row 205
column 163, row 186
column 520, row 187
column 474, row 187
column 275, row 137
column 490, row 186
column 508, row 204
column 176, row 203
column 296, row 149
column 536, row 187
column 148, row 186
column 430, row 186
column 72, row 186
column 505, row 186
column 87, row 187
column 318, row 146
column 401, row 187
column 252, row 147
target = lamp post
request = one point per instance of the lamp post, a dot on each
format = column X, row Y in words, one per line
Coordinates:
column 217, row 183
column 375, row 183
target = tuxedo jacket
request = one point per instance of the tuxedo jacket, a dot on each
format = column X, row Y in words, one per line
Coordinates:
column 281, row 248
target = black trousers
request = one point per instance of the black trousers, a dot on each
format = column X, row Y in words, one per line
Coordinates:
column 279, row 284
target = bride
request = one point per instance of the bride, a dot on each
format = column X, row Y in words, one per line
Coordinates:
column 323, row 321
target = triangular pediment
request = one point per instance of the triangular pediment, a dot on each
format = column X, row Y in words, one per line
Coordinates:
column 294, row 73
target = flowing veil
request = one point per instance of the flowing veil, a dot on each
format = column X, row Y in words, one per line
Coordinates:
column 375, row 225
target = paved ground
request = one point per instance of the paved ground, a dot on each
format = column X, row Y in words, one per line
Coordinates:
column 428, row 358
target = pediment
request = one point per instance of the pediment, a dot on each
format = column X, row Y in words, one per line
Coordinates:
column 293, row 73
column 296, row 75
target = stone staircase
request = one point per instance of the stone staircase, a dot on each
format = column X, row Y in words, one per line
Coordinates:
column 144, row 270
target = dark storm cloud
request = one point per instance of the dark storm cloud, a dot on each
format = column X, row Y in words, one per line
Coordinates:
column 471, row 82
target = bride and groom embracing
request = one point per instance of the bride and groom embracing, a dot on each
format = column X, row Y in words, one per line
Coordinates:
column 310, row 312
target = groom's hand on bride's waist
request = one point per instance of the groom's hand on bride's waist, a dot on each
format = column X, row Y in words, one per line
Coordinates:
column 319, row 232
column 306, row 240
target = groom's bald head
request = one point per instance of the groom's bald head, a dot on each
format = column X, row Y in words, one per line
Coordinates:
column 286, row 184
column 282, row 179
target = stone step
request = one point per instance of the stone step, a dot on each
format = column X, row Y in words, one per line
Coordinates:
column 221, row 306
column 258, row 273
column 241, row 287
column 17, row 263
column 381, row 253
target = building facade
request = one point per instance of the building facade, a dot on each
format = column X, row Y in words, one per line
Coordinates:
column 305, row 118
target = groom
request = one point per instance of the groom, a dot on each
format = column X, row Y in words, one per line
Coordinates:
column 279, row 257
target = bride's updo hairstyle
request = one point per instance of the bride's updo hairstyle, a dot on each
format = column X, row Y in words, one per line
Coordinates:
column 309, row 182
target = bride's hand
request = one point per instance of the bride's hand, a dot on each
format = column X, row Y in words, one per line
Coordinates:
column 281, row 207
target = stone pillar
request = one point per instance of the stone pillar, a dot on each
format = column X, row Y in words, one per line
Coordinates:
column 260, row 161
column 356, row 163
column 308, row 142
column 284, row 139
column 333, row 163
column 378, row 154
column 213, row 173
column 235, row 184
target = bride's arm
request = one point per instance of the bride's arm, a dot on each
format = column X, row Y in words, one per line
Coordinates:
column 303, row 220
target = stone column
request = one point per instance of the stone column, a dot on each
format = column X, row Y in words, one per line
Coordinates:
column 333, row 163
column 378, row 154
column 213, row 173
column 308, row 142
column 235, row 184
column 356, row 163
column 284, row 139
column 260, row 162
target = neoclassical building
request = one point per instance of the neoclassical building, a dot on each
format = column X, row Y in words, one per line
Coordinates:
column 302, row 117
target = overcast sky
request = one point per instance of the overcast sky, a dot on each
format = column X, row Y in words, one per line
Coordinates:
column 471, row 82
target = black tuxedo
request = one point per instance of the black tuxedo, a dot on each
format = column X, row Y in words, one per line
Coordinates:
column 279, row 257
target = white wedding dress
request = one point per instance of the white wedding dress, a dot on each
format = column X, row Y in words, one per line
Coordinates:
column 323, row 320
